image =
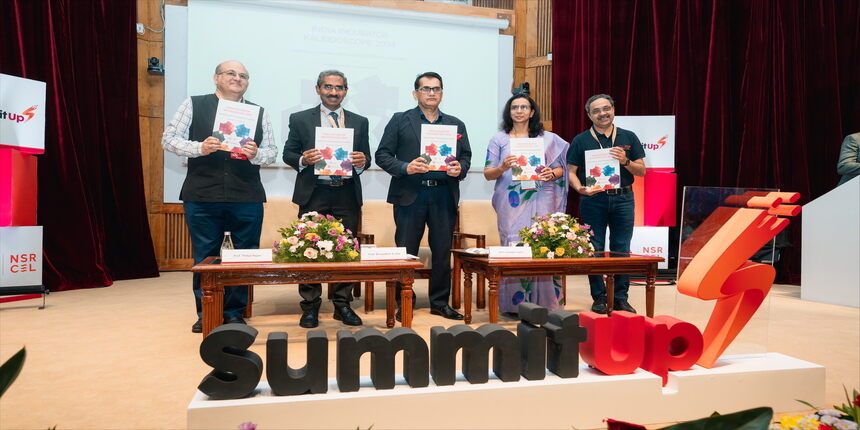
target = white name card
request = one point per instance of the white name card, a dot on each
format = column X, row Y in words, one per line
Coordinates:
column 261, row 256
column 383, row 254
column 510, row 252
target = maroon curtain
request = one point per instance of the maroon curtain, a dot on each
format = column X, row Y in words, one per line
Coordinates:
column 762, row 91
column 91, row 201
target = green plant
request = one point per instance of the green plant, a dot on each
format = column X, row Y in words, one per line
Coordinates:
column 10, row 370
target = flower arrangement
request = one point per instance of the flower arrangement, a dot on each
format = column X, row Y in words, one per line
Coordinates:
column 558, row 235
column 315, row 238
column 844, row 417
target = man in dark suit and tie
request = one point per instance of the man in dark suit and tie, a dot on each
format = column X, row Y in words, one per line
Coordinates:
column 421, row 196
column 329, row 195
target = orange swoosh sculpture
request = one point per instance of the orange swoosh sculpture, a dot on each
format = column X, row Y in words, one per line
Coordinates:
column 721, row 270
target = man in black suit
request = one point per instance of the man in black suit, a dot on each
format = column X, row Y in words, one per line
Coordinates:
column 421, row 196
column 329, row 195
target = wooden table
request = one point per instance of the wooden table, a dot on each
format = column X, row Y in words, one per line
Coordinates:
column 214, row 277
column 607, row 263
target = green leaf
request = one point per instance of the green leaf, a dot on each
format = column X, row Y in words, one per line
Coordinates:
column 10, row 369
column 750, row 419
column 810, row 405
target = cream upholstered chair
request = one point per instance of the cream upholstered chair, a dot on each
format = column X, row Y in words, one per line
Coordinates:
column 478, row 218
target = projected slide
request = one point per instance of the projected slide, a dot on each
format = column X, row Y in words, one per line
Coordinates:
column 285, row 44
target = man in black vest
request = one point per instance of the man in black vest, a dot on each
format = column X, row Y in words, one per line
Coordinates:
column 222, row 189
column 328, row 195
column 420, row 196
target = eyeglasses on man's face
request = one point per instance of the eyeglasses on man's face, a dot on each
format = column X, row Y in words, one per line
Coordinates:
column 428, row 90
column 233, row 74
column 329, row 87
column 596, row 111
column 520, row 107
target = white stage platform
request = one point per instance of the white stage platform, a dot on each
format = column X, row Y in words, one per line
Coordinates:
column 735, row 383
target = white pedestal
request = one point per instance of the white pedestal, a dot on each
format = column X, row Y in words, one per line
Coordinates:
column 829, row 272
column 736, row 383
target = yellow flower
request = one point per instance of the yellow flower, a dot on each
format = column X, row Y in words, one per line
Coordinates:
column 312, row 236
column 284, row 242
column 552, row 230
column 543, row 250
column 352, row 254
column 337, row 226
column 559, row 251
column 576, row 227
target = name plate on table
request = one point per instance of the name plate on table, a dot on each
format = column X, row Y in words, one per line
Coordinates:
column 383, row 254
column 510, row 252
column 261, row 256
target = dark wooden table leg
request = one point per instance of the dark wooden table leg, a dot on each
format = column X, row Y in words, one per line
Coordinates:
column 610, row 293
column 650, row 279
column 390, row 291
column 368, row 297
column 455, row 282
column 467, row 297
column 480, row 293
column 494, row 298
column 249, row 309
column 406, row 303
column 212, row 301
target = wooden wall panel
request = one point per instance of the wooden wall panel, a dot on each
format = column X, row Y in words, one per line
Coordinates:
column 531, row 51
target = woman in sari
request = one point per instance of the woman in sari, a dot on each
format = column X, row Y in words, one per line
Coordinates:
column 516, row 201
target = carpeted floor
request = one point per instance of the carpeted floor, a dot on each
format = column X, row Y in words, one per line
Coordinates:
column 123, row 357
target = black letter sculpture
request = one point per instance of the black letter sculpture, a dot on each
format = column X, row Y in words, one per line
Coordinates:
column 532, row 339
column 237, row 371
column 350, row 348
column 564, row 335
column 286, row 381
column 476, row 346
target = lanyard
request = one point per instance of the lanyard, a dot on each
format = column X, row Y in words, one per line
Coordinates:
column 614, row 135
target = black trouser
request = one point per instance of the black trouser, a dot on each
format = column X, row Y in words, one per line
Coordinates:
column 339, row 202
column 435, row 208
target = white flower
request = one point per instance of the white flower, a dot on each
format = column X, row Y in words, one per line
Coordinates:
column 292, row 240
column 325, row 245
column 550, row 254
column 311, row 253
column 294, row 248
column 310, row 214
column 329, row 255
column 312, row 224
column 570, row 235
column 831, row 412
column 827, row 419
column 564, row 227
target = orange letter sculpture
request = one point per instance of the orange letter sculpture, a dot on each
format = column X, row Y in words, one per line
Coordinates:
column 721, row 270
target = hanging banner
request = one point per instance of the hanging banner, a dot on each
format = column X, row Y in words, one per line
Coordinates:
column 657, row 134
column 21, row 253
column 22, row 114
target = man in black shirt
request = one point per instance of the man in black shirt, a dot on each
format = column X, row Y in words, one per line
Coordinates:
column 607, row 208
